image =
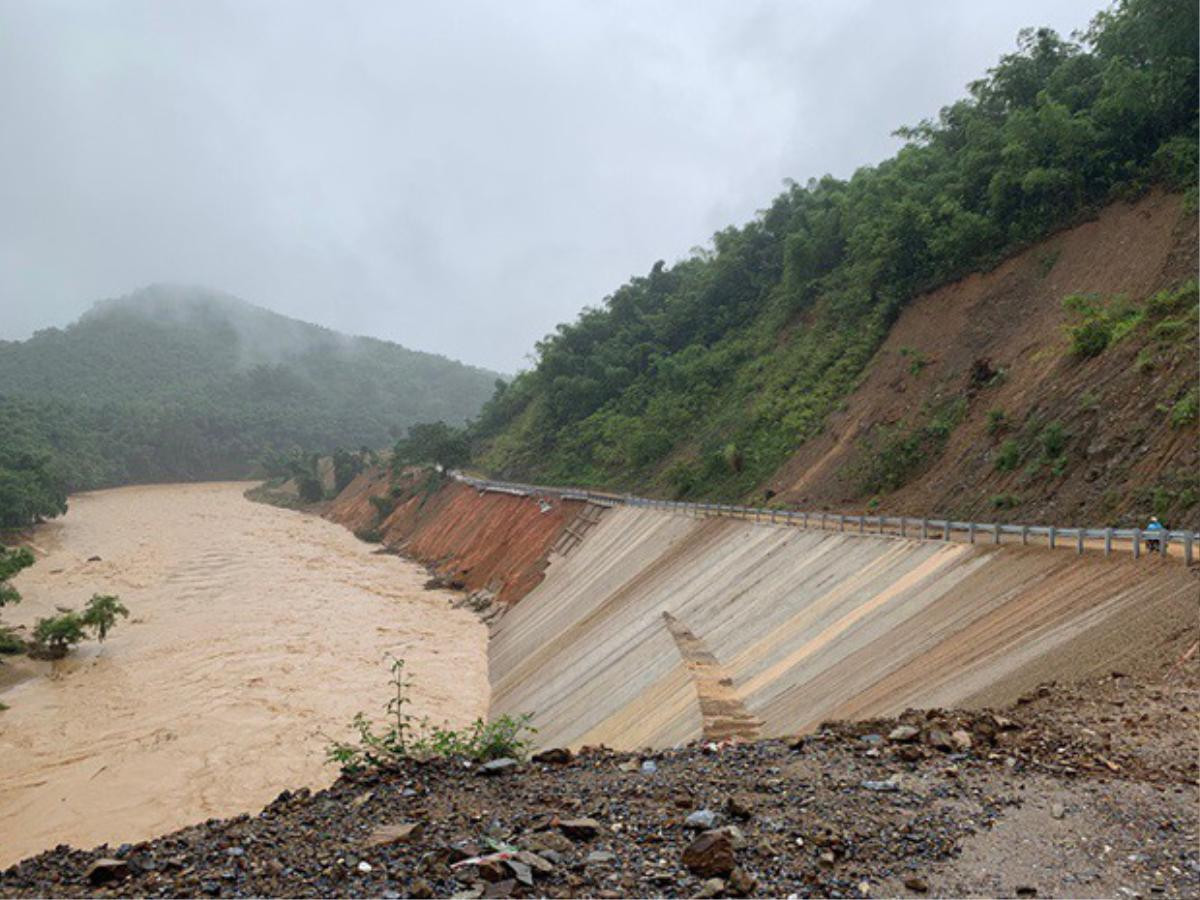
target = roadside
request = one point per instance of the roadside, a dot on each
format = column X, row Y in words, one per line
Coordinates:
column 1085, row 790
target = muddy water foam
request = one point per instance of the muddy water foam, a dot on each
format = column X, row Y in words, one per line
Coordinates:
column 254, row 631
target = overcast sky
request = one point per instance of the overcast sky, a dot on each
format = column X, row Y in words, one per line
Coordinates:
column 457, row 176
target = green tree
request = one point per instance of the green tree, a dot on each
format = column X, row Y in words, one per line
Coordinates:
column 54, row 636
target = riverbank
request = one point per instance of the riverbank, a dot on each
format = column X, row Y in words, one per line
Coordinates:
column 254, row 633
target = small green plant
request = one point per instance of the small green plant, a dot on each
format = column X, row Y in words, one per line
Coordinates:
column 384, row 506
column 1172, row 329
column 53, row 637
column 1005, row 501
column 1145, row 361
column 403, row 737
column 997, row 421
column 371, row 535
column 1185, row 411
column 10, row 642
column 1053, row 440
column 1008, row 457
column 917, row 360
column 1104, row 322
column 1046, row 261
column 1089, row 401
column 1089, row 338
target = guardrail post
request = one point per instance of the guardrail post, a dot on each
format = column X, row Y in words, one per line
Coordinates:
column 1162, row 545
column 862, row 524
column 1079, row 542
column 841, row 522
column 945, row 529
column 1107, row 542
column 881, row 524
column 1187, row 548
column 1050, row 536
column 924, row 529
column 772, row 517
column 1025, row 535
column 1137, row 545
column 971, row 532
column 806, row 519
column 996, row 534
column 903, row 519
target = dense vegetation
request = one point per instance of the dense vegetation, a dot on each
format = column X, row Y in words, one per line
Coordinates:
column 703, row 376
column 173, row 384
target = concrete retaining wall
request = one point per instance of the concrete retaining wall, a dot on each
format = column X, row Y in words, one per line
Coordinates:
column 771, row 630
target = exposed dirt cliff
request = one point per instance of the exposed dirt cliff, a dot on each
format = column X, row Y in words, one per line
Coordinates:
column 493, row 545
column 983, row 369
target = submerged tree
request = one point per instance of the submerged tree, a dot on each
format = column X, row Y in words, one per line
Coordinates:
column 53, row 637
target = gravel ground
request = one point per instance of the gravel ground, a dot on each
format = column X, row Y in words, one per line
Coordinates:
column 1086, row 790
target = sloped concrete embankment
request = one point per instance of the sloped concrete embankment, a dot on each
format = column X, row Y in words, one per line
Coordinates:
column 489, row 543
column 659, row 628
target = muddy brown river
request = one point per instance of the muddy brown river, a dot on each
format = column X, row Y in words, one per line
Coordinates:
column 254, row 634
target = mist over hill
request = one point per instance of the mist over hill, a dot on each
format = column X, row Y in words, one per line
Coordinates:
column 174, row 382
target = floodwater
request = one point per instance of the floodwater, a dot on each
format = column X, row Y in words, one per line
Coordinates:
column 255, row 633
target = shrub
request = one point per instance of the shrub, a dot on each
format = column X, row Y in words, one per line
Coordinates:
column 1090, row 338
column 53, row 637
column 370, row 535
column 384, row 506
column 997, row 421
column 1005, row 501
column 12, row 562
column 1008, row 457
column 1184, row 412
column 10, row 641
column 1053, row 440
column 402, row 737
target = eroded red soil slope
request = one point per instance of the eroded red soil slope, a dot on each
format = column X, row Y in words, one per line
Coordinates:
column 496, row 543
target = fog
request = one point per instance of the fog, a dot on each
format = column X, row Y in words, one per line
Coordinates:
column 457, row 177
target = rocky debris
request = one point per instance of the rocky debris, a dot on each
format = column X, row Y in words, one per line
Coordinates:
column 105, row 871
column 390, row 834
column 556, row 756
column 498, row 766
column 580, row 829
column 801, row 821
column 903, row 733
column 739, row 806
column 887, row 786
column 710, row 855
column 913, row 883
column 701, row 820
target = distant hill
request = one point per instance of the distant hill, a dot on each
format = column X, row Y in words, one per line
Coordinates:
column 176, row 382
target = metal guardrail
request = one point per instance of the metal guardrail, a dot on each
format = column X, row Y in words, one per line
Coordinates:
column 902, row 526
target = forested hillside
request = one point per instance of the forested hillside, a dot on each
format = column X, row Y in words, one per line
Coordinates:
column 703, row 376
column 177, row 383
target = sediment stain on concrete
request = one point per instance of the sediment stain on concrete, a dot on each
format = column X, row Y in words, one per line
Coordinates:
column 724, row 714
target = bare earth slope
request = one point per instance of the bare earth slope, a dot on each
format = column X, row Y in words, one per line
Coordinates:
column 1121, row 447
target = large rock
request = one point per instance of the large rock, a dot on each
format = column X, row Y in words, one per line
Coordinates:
column 498, row 766
column 557, row 756
column 579, row 829
column 902, row 734
column 107, row 871
column 400, row 833
column 710, row 855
